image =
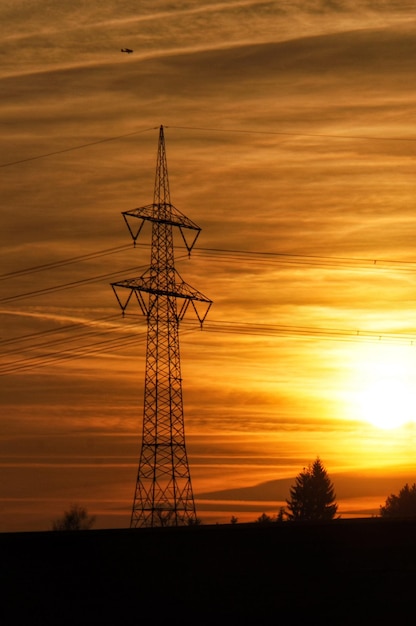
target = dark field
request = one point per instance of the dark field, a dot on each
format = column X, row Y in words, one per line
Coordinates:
column 341, row 572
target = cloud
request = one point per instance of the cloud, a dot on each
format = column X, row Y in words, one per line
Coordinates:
column 287, row 129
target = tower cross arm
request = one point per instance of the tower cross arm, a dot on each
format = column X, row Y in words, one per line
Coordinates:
column 172, row 216
column 165, row 214
column 184, row 290
column 178, row 290
column 145, row 284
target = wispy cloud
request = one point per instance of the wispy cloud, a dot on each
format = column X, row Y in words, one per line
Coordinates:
column 289, row 131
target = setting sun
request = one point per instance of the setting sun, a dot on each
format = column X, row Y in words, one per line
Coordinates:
column 386, row 395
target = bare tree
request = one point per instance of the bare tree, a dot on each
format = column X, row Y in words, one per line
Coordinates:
column 76, row 518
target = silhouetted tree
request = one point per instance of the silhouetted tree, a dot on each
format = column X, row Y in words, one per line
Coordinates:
column 403, row 505
column 281, row 514
column 264, row 519
column 165, row 517
column 234, row 519
column 312, row 497
column 76, row 518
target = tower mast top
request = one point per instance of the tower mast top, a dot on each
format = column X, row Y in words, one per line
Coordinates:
column 161, row 193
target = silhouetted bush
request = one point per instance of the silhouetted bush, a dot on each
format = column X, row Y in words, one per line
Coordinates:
column 76, row 518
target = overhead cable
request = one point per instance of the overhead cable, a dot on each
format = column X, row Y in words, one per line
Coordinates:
column 78, row 147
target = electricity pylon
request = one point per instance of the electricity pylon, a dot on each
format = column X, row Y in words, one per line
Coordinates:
column 163, row 493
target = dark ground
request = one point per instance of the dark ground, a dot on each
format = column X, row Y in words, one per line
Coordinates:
column 342, row 572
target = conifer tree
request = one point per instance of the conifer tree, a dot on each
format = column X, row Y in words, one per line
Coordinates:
column 312, row 497
column 403, row 505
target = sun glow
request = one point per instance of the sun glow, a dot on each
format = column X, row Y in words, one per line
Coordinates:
column 386, row 386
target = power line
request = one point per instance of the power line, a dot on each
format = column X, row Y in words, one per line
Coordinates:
column 90, row 349
column 317, row 257
column 90, row 327
column 254, row 329
column 50, row 331
column 311, row 259
column 75, row 283
column 209, row 129
column 236, row 255
column 292, row 134
column 63, row 262
column 87, row 330
column 87, row 350
column 71, row 285
column 78, row 147
column 330, row 262
column 212, row 326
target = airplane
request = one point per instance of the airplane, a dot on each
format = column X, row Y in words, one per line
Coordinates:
column 126, row 50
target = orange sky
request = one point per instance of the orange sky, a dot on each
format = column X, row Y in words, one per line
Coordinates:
column 290, row 141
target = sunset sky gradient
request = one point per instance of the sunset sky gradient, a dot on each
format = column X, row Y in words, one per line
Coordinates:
column 290, row 140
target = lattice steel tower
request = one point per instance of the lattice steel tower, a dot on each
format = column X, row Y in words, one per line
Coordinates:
column 163, row 493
